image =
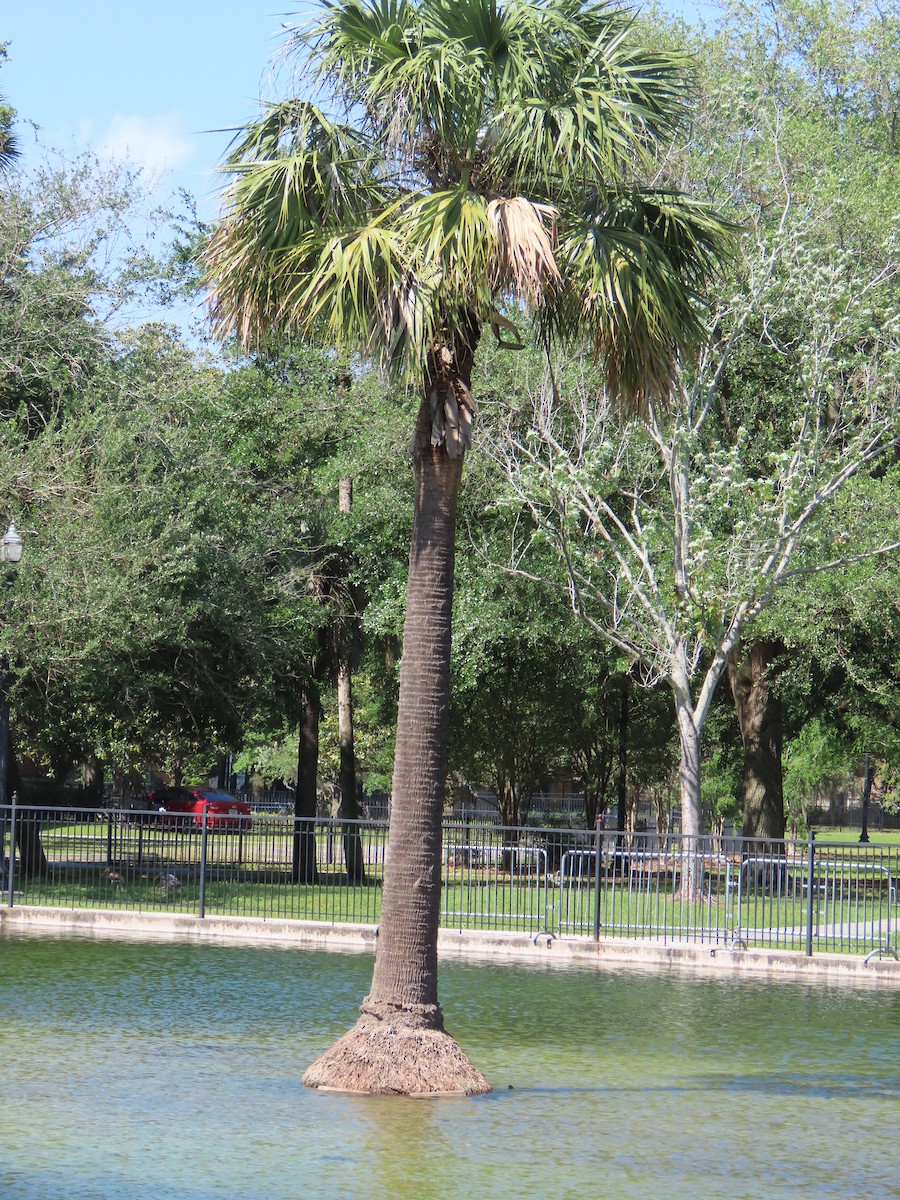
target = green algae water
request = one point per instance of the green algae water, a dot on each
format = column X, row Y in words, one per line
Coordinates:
column 173, row 1070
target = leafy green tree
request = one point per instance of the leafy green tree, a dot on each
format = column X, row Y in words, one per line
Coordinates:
column 68, row 262
column 813, row 81
column 514, row 689
column 814, row 760
column 487, row 154
column 162, row 619
column 674, row 540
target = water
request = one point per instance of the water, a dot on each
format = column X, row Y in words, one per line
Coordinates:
column 136, row 1069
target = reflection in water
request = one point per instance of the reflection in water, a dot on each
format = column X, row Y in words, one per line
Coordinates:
column 174, row 1069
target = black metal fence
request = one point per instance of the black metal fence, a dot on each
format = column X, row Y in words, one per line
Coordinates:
column 803, row 895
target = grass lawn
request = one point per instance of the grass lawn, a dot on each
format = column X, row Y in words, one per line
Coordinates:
column 850, row 835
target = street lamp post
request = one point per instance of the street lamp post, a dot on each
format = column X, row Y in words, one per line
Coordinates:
column 11, row 546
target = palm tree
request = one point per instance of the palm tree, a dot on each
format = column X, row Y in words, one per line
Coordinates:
column 457, row 162
column 9, row 150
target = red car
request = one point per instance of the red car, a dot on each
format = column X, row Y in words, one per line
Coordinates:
column 222, row 809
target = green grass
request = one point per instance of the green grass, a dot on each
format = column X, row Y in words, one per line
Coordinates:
column 850, row 835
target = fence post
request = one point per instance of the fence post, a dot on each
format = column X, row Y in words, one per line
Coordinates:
column 12, row 849
column 203, row 861
column 810, row 867
column 597, row 849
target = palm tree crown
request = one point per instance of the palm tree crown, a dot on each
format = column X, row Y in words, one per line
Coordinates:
column 466, row 157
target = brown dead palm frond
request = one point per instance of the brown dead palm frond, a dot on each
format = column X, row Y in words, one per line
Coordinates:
column 525, row 234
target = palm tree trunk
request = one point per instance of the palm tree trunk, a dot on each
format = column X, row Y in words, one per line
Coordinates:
column 399, row 1044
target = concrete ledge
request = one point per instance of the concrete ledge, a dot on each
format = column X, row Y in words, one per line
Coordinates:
column 175, row 926
column 543, row 949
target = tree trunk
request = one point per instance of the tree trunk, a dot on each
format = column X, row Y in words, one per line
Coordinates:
column 760, row 720
column 32, row 859
column 348, row 800
column 689, row 768
column 620, row 862
column 94, row 778
column 346, row 637
column 399, row 1045
column 303, row 861
column 691, row 804
column 507, row 799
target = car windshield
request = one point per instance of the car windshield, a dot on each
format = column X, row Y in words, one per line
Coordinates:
column 218, row 797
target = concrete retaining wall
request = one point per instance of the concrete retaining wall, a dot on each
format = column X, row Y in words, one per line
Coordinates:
column 546, row 950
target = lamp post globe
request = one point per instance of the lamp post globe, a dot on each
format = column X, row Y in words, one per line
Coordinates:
column 11, row 545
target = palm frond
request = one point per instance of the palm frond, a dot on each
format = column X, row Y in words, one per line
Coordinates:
column 294, row 173
column 9, row 147
column 592, row 116
column 525, row 236
column 313, row 169
column 635, row 265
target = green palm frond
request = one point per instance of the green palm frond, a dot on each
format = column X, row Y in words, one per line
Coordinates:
column 362, row 286
column 9, row 148
column 295, row 173
column 448, row 232
column 395, row 61
column 300, row 168
column 635, row 264
column 591, row 117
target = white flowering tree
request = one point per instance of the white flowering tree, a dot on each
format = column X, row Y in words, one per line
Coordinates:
column 674, row 532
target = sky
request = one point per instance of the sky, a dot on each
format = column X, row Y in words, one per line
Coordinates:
column 147, row 83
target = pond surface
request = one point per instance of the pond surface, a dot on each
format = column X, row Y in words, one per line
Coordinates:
column 136, row 1068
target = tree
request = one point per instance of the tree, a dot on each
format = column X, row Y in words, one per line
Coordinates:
column 809, row 81
column 673, row 544
column 488, row 155
column 514, row 686
column 671, row 540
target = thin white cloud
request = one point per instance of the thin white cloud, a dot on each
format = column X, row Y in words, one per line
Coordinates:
column 156, row 143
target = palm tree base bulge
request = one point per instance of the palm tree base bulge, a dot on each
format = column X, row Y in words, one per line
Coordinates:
column 399, row 1052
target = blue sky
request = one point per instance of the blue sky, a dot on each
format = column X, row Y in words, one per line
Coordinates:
column 147, row 82
column 143, row 82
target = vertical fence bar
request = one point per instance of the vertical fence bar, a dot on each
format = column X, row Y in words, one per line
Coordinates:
column 597, row 849
column 12, row 849
column 203, row 837
column 810, row 867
